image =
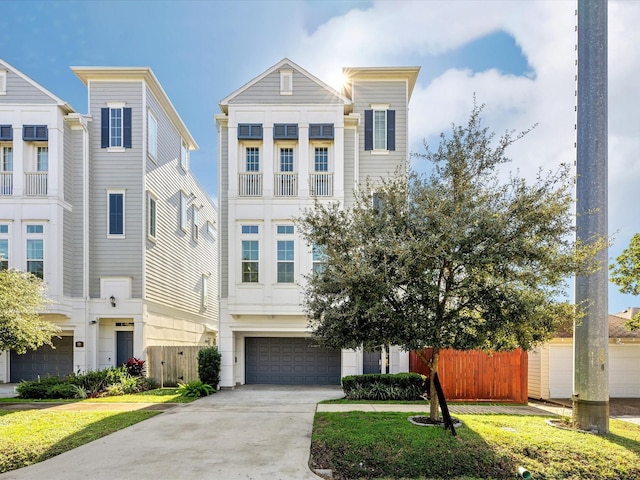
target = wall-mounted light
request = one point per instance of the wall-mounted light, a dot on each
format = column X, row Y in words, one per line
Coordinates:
column 113, row 300
column 93, row 322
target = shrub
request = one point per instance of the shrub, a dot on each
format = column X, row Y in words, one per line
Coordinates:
column 399, row 386
column 147, row 383
column 38, row 388
column 62, row 390
column 195, row 389
column 135, row 367
column 209, row 366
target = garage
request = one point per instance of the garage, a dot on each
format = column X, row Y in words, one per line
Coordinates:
column 43, row 362
column 561, row 375
column 290, row 361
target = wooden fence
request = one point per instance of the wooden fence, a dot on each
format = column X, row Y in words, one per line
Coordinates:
column 476, row 375
column 170, row 365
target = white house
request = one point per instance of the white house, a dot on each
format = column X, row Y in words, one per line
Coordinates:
column 285, row 139
column 551, row 365
column 104, row 208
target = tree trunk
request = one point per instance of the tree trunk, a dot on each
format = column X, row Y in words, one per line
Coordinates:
column 434, row 413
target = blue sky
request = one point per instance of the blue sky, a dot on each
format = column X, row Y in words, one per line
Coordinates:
column 517, row 57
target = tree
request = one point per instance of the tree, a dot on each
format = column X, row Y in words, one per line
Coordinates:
column 625, row 273
column 454, row 259
column 21, row 299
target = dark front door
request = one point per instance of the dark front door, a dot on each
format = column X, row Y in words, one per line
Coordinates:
column 290, row 361
column 124, row 345
column 43, row 362
column 371, row 362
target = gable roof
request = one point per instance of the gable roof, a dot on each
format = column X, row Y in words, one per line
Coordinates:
column 57, row 100
column 285, row 62
column 145, row 74
column 617, row 329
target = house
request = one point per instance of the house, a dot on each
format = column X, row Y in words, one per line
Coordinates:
column 286, row 139
column 104, row 208
column 551, row 365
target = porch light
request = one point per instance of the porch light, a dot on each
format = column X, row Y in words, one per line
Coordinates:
column 113, row 300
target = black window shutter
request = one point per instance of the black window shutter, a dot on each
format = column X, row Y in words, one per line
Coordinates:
column 126, row 130
column 391, row 129
column 42, row 132
column 279, row 131
column 104, row 128
column 368, row 129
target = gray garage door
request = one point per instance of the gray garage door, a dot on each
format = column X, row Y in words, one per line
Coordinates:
column 290, row 361
column 45, row 361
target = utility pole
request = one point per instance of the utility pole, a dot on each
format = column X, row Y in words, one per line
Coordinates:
column 591, row 333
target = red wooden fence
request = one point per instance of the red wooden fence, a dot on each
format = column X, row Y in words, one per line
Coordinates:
column 476, row 375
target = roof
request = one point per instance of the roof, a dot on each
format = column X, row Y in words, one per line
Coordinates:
column 617, row 329
column 285, row 62
column 61, row 103
column 145, row 74
column 410, row 74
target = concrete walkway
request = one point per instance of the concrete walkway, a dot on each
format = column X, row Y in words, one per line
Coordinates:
column 260, row 432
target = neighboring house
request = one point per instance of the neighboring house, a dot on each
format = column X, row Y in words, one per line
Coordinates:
column 285, row 140
column 104, row 208
column 551, row 365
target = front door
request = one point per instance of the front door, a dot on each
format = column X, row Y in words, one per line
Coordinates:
column 371, row 362
column 124, row 347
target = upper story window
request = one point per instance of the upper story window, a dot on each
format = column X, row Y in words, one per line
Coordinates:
column 115, row 127
column 152, row 136
column 380, row 129
column 250, row 229
column 249, row 131
column 285, row 229
column 252, row 157
column 286, row 81
column 211, row 230
column 6, row 158
column 194, row 226
column 3, row 82
column 42, row 160
column 152, row 212
column 183, row 211
column 319, row 258
column 286, row 159
column 184, row 155
column 35, row 133
column 4, row 246
column 35, row 249
column 115, row 213
column 321, row 159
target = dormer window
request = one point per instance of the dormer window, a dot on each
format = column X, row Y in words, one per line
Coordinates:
column 286, row 82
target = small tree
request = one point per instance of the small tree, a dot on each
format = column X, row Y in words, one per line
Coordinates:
column 625, row 273
column 209, row 360
column 21, row 301
column 455, row 259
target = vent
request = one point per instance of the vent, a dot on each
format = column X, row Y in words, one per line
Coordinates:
column 285, row 131
column 6, row 132
column 250, row 131
column 321, row 131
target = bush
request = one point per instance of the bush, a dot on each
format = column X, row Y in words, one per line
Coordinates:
column 399, row 386
column 38, row 388
column 209, row 366
column 135, row 367
column 195, row 389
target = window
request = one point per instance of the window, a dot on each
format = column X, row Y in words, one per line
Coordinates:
column 42, row 164
column 380, row 129
column 194, row 227
column 35, row 257
column 321, row 131
column 211, row 230
column 285, row 229
column 286, row 82
column 285, row 261
column 205, row 290
column 286, row 159
column 250, row 229
column 115, row 214
column 321, row 159
column 285, row 131
column 7, row 158
column 3, row 82
column 4, row 247
column 184, row 155
column 151, row 216
column 152, row 136
column 319, row 258
column 35, row 229
column 183, row 211
column 4, row 228
column 249, row 131
column 115, row 127
column 253, row 159
column 250, row 259
column 33, row 133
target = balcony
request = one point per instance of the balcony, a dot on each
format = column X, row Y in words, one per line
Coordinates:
column 321, row 184
column 285, row 184
column 6, row 184
column 250, row 184
column 35, row 184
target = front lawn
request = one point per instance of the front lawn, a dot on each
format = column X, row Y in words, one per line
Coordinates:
column 159, row 395
column 31, row 436
column 357, row 445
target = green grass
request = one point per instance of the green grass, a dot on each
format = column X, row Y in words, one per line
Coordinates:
column 159, row 395
column 31, row 436
column 346, row 401
column 359, row 445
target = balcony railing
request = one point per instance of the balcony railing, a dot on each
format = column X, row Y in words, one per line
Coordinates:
column 285, row 184
column 35, row 184
column 250, row 184
column 321, row 184
column 6, row 184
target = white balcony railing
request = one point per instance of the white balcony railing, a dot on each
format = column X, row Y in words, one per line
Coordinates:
column 6, row 184
column 35, row 184
column 285, row 184
column 250, row 184
column 321, row 184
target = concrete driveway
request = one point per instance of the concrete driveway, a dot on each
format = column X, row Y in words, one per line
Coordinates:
column 253, row 432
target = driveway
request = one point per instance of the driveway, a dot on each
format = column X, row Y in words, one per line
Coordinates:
column 253, row 432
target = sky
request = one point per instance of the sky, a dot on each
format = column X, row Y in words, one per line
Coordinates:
column 517, row 57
